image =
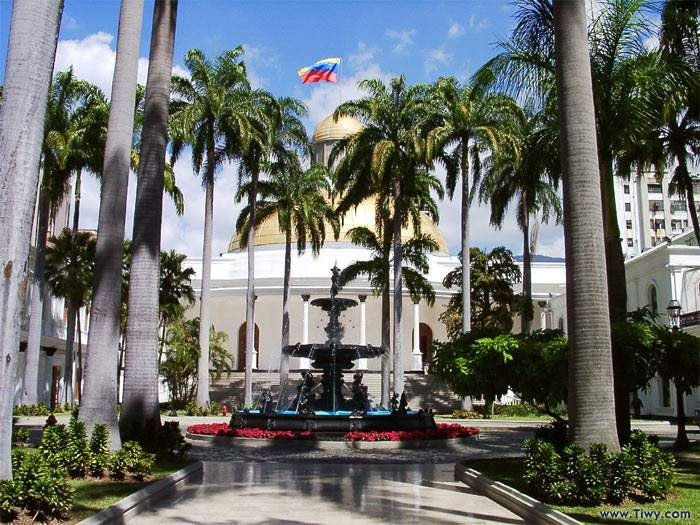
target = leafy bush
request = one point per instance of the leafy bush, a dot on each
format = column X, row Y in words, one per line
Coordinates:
column 132, row 459
column 19, row 434
column 214, row 408
column 191, row 409
column 99, row 449
column 9, row 496
column 54, row 440
column 171, row 442
column 77, row 453
column 464, row 414
column 640, row 471
column 41, row 486
column 40, row 409
column 555, row 433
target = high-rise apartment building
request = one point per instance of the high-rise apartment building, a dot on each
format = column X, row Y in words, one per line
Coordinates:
column 648, row 213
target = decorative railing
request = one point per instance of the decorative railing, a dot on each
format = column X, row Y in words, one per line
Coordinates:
column 690, row 319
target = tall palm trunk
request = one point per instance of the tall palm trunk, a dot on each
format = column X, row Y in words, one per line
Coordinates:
column 250, row 295
column 466, row 267
column 284, row 359
column 526, row 309
column 398, row 295
column 204, row 301
column 30, row 55
column 591, row 400
column 140, row 409
column 73, row 309
column 30, row 388
column 99, row 401
column 690, row 198
column 386, row 348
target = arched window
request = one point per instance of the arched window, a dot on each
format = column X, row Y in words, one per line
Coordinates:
column 560, row 323
column 653, row 299
column 241, row 345
column 425, row 339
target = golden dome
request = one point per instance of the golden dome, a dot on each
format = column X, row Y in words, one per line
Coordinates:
column 329, row 130
column 269, row 233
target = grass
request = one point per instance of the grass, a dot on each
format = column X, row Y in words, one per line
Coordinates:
column 685, row 496
column 91, row 496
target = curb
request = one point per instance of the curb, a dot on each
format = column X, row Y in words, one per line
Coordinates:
column 125, row 509
column 320, row 444
column 521, row 504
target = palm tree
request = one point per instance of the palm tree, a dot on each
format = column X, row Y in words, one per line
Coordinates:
column 284, row 131
column 297, row 197
column 529, row 174
column 99, row 402
column 175, row 293
column 470, row 121
column 210, row 114
column 140, row 408
column 30, row 56
column 74, row 140
column 591, row 399
column 393, row 116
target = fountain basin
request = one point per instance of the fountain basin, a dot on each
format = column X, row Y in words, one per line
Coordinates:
column 342, row 421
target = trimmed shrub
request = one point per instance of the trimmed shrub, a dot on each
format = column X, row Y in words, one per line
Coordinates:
column 132, row 459
column 99, row 449
column 41, row 486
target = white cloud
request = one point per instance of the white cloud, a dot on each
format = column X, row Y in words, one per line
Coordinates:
column 365, row 54
column 456, row 30
column 433, row 57
column 403, row 39
column 258, row 60
column 477, row 25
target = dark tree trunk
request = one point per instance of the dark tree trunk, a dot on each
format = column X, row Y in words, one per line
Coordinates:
column 526, row 310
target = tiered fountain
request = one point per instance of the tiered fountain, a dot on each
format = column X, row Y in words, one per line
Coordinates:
column 322, row 406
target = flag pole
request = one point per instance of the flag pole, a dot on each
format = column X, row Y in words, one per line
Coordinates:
column 340, row 86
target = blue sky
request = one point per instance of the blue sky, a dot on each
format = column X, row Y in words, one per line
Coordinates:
column 376, row 39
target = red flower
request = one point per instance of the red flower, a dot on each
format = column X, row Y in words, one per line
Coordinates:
column 222, row 429
column 442, row 431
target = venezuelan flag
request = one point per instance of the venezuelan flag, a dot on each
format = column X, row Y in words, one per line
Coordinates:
column 325, row 69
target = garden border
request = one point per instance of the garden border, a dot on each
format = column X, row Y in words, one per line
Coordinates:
column 320, row 444
column 521, row 504
column 127, row 508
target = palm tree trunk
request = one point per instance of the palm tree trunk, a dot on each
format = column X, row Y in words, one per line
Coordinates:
column 466, row 268
column 386, row 348
column 76, row 314
column 526, row 310
column 140, row 408
column 250, row 295
column 681, row 435
column 73, row 310
column 30, row 56
column 591, row 400
column 204, row 302
column 99, row 402
column 30, row 388
column 284, row 359
column 398, row 295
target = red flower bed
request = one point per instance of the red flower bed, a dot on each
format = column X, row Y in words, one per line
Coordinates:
column 443, row 431
column 222, row 429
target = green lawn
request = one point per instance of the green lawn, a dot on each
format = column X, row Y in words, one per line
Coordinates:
column 686, row 494
column 91, row 497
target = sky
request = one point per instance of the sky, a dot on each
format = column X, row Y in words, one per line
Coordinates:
column 375, row 39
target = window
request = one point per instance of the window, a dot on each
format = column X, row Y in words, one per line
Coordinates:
column 629, row 225
column 627, row 189
column 654, row 188
column 630, row 243
column 665, row 392
column 653, row 300
column 628, row 206
column 655, row 206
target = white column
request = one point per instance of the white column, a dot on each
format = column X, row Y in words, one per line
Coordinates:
column 543, row 318
column 417, row 356
column 362, row 363
column 305, row 363
column 255, row 350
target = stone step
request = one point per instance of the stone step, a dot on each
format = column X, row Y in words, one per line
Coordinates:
column 422, row 390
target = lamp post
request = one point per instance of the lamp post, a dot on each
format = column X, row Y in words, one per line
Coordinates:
column 674, row 313
column 674, row 316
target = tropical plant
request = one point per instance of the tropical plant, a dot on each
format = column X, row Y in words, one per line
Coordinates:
column 212, row 114
column 591, row 396
column 493, row 300
column 176, row 292
column 283, row 131
column 70, row 266
column 140, row 408
column 179, row 366
column 298, row 198
column 25, row 92
column 99, row 402
column 469, row 121
column 528, row 173
column 386, row 157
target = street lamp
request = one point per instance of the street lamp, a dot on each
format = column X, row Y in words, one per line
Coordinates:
column 674, row 312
